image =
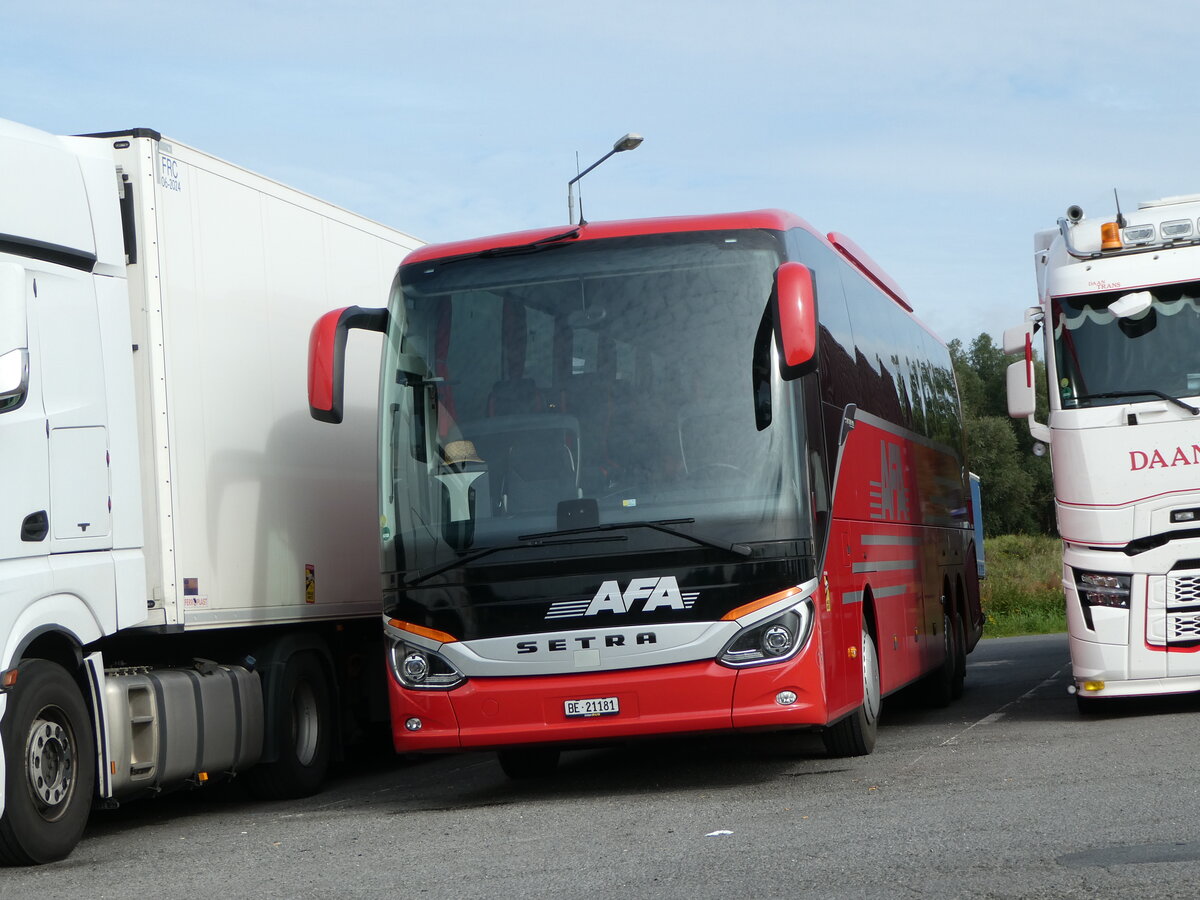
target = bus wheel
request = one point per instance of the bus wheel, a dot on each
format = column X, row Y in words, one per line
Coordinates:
column 51, row 765
column 855, row 735
column 303, row 727
column 939, row 684
column 524, row 763
column 960, row 659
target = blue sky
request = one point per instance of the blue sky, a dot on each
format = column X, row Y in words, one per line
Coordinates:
column 939, row 136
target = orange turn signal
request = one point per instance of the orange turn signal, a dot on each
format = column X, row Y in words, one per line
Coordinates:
column 760, row 603
column 432, row 633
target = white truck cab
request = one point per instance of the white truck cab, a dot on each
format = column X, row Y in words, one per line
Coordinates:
column 187, row 563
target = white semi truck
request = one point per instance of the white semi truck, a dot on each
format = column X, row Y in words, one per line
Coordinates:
column 188, row 583
column 1119, row 315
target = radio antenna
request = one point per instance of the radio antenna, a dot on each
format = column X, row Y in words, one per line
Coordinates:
column 629, row 142
column 1120, row 218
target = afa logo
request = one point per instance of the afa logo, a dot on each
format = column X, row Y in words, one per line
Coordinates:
column 890, row 495
column 652, row 593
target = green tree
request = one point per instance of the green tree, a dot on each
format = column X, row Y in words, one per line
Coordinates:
column 1016, row 485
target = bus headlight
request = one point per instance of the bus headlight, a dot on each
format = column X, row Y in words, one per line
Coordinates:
column 776, row 639
column 421, row 669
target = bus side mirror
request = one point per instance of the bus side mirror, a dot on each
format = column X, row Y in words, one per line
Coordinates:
column 797, row 310
column 327, row 357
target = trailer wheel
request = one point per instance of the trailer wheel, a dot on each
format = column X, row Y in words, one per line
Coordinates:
column 855, row 735
column 303, row 729
column 51, row 766
column 524, row 763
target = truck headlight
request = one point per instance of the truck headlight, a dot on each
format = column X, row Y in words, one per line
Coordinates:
column 1102, row 589
column 421, row 669
column 774, row 640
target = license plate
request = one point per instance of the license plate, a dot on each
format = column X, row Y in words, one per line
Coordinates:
column 593, row 706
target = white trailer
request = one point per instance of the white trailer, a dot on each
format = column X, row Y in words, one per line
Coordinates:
column 1119, row 313
column 188, row 579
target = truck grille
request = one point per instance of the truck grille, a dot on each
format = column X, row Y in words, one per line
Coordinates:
column 1183, row 590
column 1179, row 623
column 1185, row 627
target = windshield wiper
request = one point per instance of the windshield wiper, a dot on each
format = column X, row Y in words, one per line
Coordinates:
column 526, row 541
column 546, row 243
column 531, row 247
column 662, row 525
column 1114, row 395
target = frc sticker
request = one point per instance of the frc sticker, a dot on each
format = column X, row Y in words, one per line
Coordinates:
column 653, row 593
column 170, row 174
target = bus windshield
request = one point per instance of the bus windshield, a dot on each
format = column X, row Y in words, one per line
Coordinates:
column 1103, row 360
column 583, row 386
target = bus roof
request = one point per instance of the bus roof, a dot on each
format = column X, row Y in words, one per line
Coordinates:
column 769, row 219
column 766, row 219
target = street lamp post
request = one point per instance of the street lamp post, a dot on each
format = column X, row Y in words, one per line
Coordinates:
column 628, row 142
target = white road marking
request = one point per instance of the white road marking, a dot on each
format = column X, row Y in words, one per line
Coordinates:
column 994, row 717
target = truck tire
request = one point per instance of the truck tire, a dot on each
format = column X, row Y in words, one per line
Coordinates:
column 50, row 765
column 855, row 735
column 303, row 731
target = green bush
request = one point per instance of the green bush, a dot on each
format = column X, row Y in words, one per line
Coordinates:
column 1022, row 593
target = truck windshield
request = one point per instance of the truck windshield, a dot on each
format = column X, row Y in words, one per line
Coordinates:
column 1103, row 360
column 579, row 386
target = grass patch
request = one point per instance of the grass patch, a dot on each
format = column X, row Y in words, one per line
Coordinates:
column 1022, row 593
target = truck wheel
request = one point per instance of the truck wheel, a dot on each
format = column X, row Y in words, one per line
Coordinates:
column 855, row 735
column 302, row 726
column 50, row 764
column 524, row 763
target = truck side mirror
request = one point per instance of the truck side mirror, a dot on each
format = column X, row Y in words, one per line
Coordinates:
column 796, row 304
column 14, row 342
column 1022, row 398
column 1018, row 338
column 327, row 357
column 1020, row 384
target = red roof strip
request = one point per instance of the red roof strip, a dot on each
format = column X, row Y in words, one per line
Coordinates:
column 769, row 219
column 861, row 261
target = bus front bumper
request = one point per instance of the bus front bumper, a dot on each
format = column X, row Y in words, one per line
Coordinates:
column 696, row 697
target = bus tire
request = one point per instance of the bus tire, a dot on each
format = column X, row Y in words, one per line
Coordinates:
column 855, row 735
column 303, row 726
column 939, row 684
column 525, row 763
column 960, row 659
column 51, row 766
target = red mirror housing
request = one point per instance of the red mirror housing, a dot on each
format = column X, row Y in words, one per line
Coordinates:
column 327, row 357
column 797, row 304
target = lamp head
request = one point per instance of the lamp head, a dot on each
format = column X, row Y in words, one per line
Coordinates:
column 629, row 142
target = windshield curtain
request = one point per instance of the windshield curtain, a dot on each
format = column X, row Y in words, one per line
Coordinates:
column 1098, row 353
column 585, row 384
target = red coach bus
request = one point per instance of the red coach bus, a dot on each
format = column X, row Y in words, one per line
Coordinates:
column 675, row 475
